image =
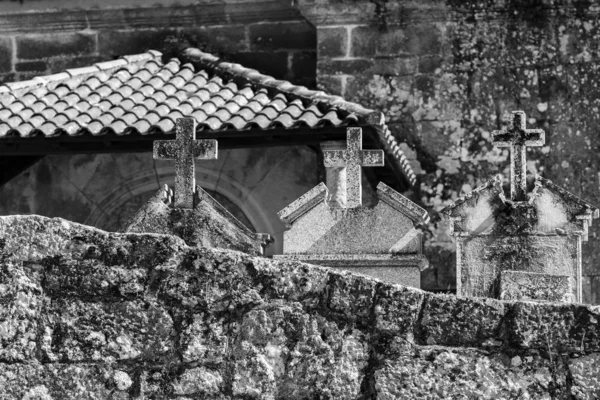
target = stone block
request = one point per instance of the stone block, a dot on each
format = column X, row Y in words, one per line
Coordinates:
column 344, row 67
column 394, row 66
column 457, row 321
column 325, row 360
column 204, row 339
column 397, row 310
column 291, row 35
column 304, row 68
column 198, row 381
column 6, row 54
column 193, row 284
column 398, row 269
column 591, row 289
column 7, row 78
column 292, row 281
column 120, row 331
column 89, row 277
column 331, row 84
column 61, row 64
column 585, row 371
column 57, row 381
column 521, row 285
column 31, row 66
column 392, row 41
column 218, row 39
column 33, row 47
column 364, row 41
column 553, row 327
column 22, row 302
column 124, row 42
column 438, row 373
column 351, row 296
column 429, row 64
column 406, row 276
column 332, row 42
column 423, row 39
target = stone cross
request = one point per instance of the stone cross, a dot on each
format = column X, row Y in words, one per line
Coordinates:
column 353, row 158
column 517, row 137
column 184, row 149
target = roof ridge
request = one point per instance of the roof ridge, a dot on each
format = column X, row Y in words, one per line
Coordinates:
column 252, row 76
column 103, row 66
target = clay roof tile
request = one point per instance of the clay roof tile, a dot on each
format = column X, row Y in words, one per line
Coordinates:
column 108, row 96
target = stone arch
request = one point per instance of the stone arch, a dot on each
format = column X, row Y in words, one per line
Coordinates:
column 134, row 191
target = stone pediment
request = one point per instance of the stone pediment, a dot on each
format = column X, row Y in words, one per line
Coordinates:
column 559, row 211
column 208, row 224
column 317, row 228
column 474, row 212
column 549, row 210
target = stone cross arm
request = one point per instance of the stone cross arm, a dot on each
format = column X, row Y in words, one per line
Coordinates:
column 367, row 158
column 199, row 149
column 184, row 150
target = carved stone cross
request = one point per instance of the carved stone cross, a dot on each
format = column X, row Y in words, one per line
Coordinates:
column 517, row 137
column 184, row 149
column 353, row 158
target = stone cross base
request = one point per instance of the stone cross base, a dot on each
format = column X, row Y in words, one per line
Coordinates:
column 521, row 285
column 401, row 269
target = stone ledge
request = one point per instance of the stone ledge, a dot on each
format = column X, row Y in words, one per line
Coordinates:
column 223, row 323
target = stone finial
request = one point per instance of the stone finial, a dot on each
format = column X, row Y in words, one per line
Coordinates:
column 352, row 159
column 184, row 149
column 517, row 137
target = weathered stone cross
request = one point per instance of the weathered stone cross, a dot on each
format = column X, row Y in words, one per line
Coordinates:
column 184, row 149
column 517, row 137
column 353, row 158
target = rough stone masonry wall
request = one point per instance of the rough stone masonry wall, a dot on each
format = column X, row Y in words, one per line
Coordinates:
column 88, row 314
column 266, row 35
column 446, row 73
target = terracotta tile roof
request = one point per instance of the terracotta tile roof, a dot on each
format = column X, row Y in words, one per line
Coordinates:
column 140, row 94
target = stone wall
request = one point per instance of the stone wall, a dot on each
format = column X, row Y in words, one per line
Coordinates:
column 93, row 315
column 268, row 35
column 447, row 73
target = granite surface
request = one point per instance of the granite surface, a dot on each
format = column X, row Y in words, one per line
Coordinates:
column 89, row 314
column 520, row 285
